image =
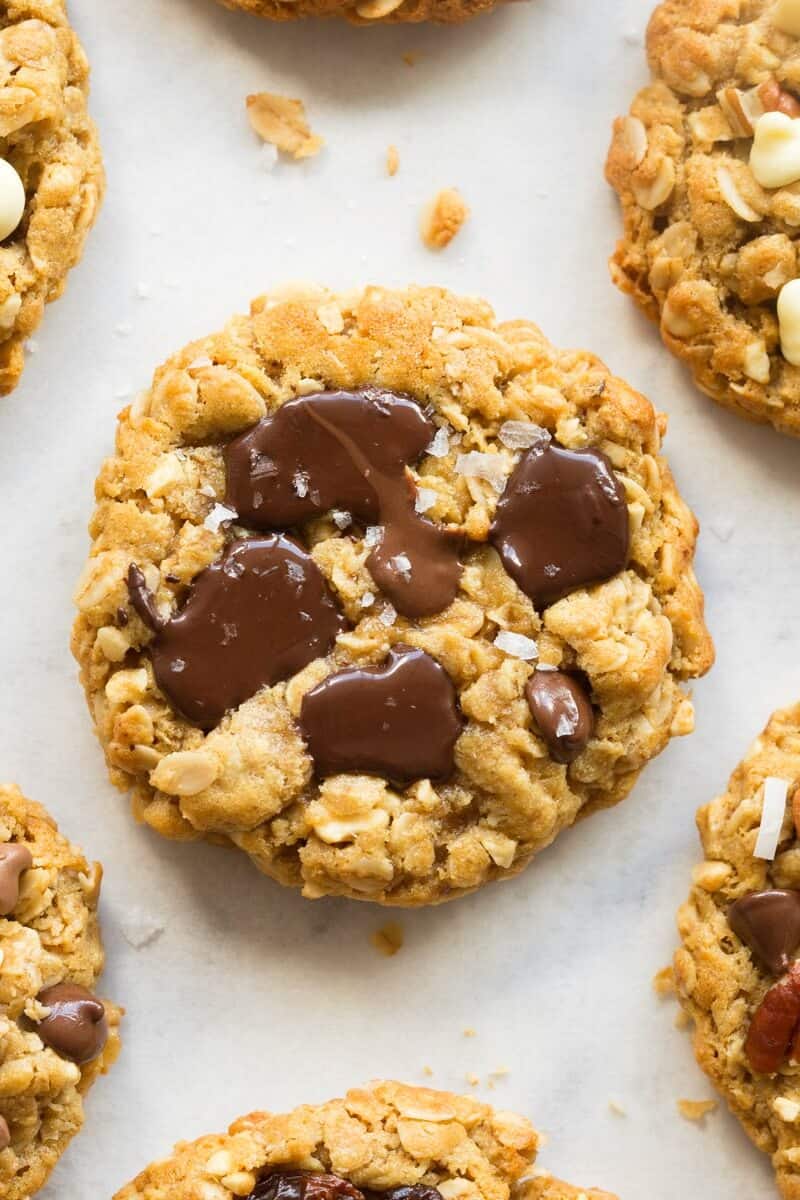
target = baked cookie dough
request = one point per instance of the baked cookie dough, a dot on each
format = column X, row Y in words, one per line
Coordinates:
column 707, row 165
column 56, row 1037
column 367, row 12
column 387, row 1141
column 737, row 974
column 51, row 172
column 386, row 593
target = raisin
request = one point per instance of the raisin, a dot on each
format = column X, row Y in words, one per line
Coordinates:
column 304, row 1185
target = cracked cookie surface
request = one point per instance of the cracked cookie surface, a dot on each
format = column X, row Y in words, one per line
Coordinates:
column 378, row 1138
column 50, row 941
column 707, row 248
column 629, row 641
column 367, row 12
column 46, row 134
column 723, row 980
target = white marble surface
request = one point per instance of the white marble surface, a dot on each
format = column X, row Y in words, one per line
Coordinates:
column 252, row 997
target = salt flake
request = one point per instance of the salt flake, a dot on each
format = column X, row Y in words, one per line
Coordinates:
column 373, row 535
column 341, row 519
column 521, row 435
column 517, row 645
column 219, row 514
column 773, row 810
column 388, row 615
column 440, row 446
column 482, row 466
column 426, row 498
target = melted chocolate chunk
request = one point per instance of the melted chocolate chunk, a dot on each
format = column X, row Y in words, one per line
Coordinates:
column 14, row 859
column 257, row 615
column 563, row 712
column 350, row 450
column 304, row 1185
column 76, row 1025
column 562, row 522
column 769, row 923
column 399, row 719
column 143, row 599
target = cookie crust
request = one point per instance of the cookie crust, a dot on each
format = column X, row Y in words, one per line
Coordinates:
column 719, row 984
column 383, row 1136
column 249, row 782
column 368, row 12
column 51, row 936
column 48, row 137
column 706, row 249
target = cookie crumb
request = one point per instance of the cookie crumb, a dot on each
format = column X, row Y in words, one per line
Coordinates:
column 282, row 122
column 411, row 58
column 388, row 939
column 427, row 1071
column 664, row 982
column 500, row 1072
column 616, row 1108
column 696, row 1110
column 392, row 160
column 443, row 218
column 470, row 1032
column 682, row 1019
column 472, row 1079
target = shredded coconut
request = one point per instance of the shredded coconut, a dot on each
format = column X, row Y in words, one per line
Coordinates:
column 773, row 810
column 440, row 446
column 517, row 645
column 219, row 514
column 521, row 435
column 426, row 498
column 482, row 466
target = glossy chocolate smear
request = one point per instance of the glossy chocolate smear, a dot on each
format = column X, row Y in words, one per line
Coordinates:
column 399, row 719
column 14, row 859
column 769, row 923
column 561, row 707
column 349, row 450
column 76, row 1025
column 257, row 615
column 562, row 522
column 304, row 1185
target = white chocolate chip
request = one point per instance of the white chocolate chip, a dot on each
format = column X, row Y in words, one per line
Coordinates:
column 789, row 321
column 775, row 154
column 711, row 875
column 786, row 16
column 741, row 109
column 185, row 773
column 12, row 199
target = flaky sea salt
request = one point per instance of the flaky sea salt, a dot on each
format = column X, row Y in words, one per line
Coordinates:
column 219, row 514
column 440, row 446
column 402, row 563
column 300, row 483
column 367, row 600
column 373, row 535
column 340, row 518
column 517, row 645
column 388, row 615
column 482, row 466
column 521, row 435
column 426, row 498
column 773, row 810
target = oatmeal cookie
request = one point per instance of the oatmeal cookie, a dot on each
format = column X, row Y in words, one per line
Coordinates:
column 387, row 1140
column 367, row 12
column 706, row 166
column 51, row 181
column 386, row 593
column 56, row 1037
column 737, row 973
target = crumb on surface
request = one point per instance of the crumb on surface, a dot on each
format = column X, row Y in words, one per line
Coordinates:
column 427, row 1071
column 696, row 1110
column 388, row 939
column 682, row 1019
column 500, row 1072
column 443, row 218
column 282, row 122
column 617, row 1109
column 470, row 1032
column 411, row 57
column 392, row 160
column 664, row 982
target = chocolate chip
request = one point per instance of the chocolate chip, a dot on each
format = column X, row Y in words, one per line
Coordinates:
column 349, row 450
column 256, row 616
column 769, row 924
column 562, row 522
column 304, row 1185
column 5, row 1134
column 563, row 712
column 76, row 1025
column 14, row 859
column 399, row 719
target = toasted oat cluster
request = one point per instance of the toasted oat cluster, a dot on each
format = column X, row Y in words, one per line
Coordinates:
column 386, row 1140
column 367, row 12
column 396, row 694
column 737, row 974
column 56, row 1037
column 706, row 166
column 50, row 154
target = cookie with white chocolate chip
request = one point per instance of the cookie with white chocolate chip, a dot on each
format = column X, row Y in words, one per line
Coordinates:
column 367, row 12
column 706, row 166
column 386, row 593
column 738, row 971
column 56, row 1036
column 51, row 171
column 387, row 1141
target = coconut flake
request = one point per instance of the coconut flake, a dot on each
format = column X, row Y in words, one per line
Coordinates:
column 440, row 446
column 388, row 615
column 482, row 466
column 426, row 498
column 373, row 535
column 340, row 518
column 773, row 810
column 219, row 514
column 521, row 435
column 517, row 645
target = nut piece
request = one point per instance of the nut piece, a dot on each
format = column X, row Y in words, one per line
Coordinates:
column 282, row 122
column 786, row 16
column 773, row 1029
column 742, row 109
column 655, row 191
column 733, row 197
column 185, row 773
column 775, row 99
column 634, row 138
column 443, row 218
column 789, row 321
column 775, row 155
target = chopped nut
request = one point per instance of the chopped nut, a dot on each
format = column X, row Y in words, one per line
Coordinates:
column 789, row 321
column 710, row 876
column 787, row 1110
column 219, row 1164
column 741, row 109
column 733, row 197
column 634, row 139
column 756, row 362
column 185, row 773
column 696, row 1110
column 658, row 189
column 392, row 160
column 112, row 643
column 126, row 687
column 373, row 10
column 241, row 1183
column 282, row 121
column 443, row 218
column 388, row 939
column 774, row 98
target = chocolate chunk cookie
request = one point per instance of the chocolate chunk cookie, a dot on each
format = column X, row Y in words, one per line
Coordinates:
column 738, row 973
column 56, row 1036
column 367, row 12
column 51, row 171
column 384, row 1142
column 386, row 593
column 706, row 166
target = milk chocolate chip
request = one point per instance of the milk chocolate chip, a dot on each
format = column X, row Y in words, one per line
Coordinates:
column 5, row 1134
column 304, row 1185
column 562, row 522
column 399, row 719
column 257, row 615
column 769, row 924
column 14, row 859
column 350, row 450
column 76, row 1025
column 563, row 712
